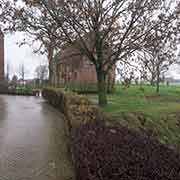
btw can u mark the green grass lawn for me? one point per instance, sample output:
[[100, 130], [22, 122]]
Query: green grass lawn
[[157, 114]]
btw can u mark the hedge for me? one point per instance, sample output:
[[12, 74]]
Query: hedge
[[118, 153], [18, 91], [77, 109], [111, 153]]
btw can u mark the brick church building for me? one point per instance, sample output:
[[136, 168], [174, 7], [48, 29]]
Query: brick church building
[[1, 56], [73, 68]]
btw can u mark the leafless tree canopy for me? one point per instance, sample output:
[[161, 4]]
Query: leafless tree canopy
[[36, 23], [124, 27], [41, 72]]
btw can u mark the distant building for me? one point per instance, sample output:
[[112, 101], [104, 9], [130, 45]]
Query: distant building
[[75, 68], [1, 56]]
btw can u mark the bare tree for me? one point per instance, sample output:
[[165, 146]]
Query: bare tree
[[41, 72], [153, 67], [22, 71], [93, 26], [161, 52], [127, 73], [37, 25], [121, 26]]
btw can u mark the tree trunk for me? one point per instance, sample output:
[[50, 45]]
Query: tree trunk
[[153, 79], [102, 89], [108, 84], [50, 60], [50, 74], [158, 80], [152, 82]]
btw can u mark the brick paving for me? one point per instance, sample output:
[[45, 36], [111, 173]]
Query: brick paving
[[33, 142]]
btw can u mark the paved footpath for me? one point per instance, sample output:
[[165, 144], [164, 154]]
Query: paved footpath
[[33, 143]]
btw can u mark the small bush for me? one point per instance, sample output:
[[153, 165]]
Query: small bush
[[23, 90]]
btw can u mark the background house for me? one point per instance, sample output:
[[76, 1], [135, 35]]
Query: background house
[[74, 68]]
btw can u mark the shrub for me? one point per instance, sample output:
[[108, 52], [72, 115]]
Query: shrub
[[23, 90], [77, 109], [106, 152], [82, 114], [117, 153], [54, 97], [6, 88]]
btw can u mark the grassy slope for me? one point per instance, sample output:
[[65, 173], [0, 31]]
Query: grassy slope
[[159, 115]]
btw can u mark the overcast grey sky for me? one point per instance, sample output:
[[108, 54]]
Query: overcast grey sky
[[16, 56]]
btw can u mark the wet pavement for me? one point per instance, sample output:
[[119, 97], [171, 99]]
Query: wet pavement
[[33, 143]]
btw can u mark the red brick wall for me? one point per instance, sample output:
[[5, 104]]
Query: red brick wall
[[1, 56], [80, 72], [85, 75], [75, 68]]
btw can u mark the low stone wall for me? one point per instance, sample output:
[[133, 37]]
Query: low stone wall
[[77, 109]]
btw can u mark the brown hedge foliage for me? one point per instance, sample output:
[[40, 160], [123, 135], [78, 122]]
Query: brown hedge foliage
[[102, 152], [77, 109], [82, 114], [117, 153]]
